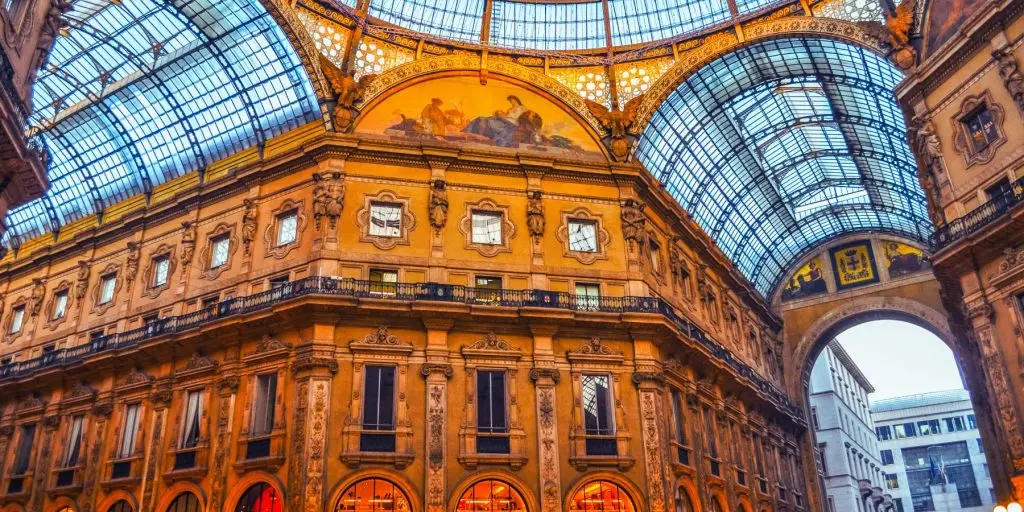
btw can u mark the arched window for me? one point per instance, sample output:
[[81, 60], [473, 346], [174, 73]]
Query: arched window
[[683, 503], [716, 505], [259, 497], [185, 502], [373, 495], [120, 506], [602, 495], [491, 496]]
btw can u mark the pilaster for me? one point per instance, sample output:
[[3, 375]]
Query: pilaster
[[161, 400], [545, 379], [313, 371]]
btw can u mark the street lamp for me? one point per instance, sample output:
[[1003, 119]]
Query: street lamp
[[1013, 506]]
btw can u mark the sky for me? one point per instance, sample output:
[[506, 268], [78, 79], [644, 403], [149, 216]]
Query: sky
[[900, 358]]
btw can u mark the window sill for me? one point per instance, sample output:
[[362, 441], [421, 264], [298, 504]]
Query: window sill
[[194, 474], [69, 490], [355, 459], [583, 462], [125, 484], [270, 464], [514, 460]]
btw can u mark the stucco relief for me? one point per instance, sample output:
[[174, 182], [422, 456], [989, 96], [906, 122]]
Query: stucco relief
[[436, 400], [999, 381], [547, 434], [317, 436], [652, 451], [298, 448]]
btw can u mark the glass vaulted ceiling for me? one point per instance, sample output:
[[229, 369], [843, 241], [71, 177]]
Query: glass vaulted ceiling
[[781, 146], [561, 25], [140, 92]]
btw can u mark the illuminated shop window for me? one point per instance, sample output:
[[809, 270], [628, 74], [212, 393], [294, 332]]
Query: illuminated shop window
[[602, 495], [185, 502], [373, 495], [259, 497], [491, 496]]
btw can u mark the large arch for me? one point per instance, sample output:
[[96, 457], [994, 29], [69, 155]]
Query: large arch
[[783, 141]]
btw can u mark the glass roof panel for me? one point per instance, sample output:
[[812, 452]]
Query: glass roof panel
[[562, 26], [643, 21], [784, 145], [460, 20], [139, 93]]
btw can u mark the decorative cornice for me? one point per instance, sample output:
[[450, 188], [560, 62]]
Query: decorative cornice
[[430, 368], [545, 373]]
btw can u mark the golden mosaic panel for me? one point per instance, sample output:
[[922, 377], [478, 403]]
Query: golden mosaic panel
[[634, 78], [376, 56], [589, 83], [328, 37], [849, 10]]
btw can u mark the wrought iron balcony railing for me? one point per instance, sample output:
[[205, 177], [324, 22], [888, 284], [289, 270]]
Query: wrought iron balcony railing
[[330, 286], [978, 218]]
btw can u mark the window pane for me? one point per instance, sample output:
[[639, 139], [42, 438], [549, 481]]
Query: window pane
[[74, 442], [219, 254], [597, 405], [107, 292], [17, 319], [487, 228], [582, 236], [129, 431], [28, 434], [491, 412], [193, 414], [385, 219], [287, 225], [378, 408], [60, 305], [263, 410]]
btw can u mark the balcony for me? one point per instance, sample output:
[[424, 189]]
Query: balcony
[[978, 218], [25, 160], [408, 292]]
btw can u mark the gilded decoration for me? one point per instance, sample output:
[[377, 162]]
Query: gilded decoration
[[635, 78], [210, 272], [508, 229], [406, 221], [271, 247], [588, 82], [375, 56], [150, 288], [899, 26], [620, 135], [902, 259], [347, 93], [978, 129], [111, 271], [49, 311], [458, 109], [583, 217], [430, 65]]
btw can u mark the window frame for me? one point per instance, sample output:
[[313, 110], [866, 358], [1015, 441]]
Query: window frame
[[385, 199], [273, 246], [602, 238], [507, 231], [491, 353], [595, 358], [222, 233], [962, 140]]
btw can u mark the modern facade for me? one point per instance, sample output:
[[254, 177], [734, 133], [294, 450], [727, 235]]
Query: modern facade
[[932, 453], [471, 255], [844, 431]]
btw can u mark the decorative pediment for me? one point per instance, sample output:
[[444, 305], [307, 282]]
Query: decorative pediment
[[31, 402], [595, 351], [136, 377], [380, 340], [198, 364], [268, 346], [490, 346], [81, 390]]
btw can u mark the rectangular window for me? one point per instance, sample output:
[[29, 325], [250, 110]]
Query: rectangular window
[[378, 410], [219, 250], [981, 446], [972, 423], [107, 285], [129, 431], [981, 127], [999, 190], [17, 318], [892, 481], [385, 220], [383, 282], [60, 304], [655, 256], [955, 424], [887, 457], [190, 424], [711, 442], [582, 235], [883, 433], [74, 446], [486, 228], [905, 430], [899, 504], [928, 427], [597, 414], [491, 413], [24, 454], [488, 288], [287, 227], [588, 296], [278, 282], [161, 270], [262, 421], [814, 418], [679, 422]]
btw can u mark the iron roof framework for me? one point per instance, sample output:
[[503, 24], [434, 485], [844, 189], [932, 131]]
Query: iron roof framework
[[141, 92], [560, 24], [781, 146]]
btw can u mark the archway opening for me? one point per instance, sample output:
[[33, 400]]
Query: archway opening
[[893, 422], [185, 502], [373, 495], [491, 496], [121, 506], [260, 497], [602, 495]]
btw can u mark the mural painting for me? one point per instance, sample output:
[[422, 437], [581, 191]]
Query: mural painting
[[460, 110], [854, 265], [945, 18], [806, 282], [902, 259]]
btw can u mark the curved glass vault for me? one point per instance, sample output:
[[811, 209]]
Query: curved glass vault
[[141, 92], [561, 25], [786, 144]]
